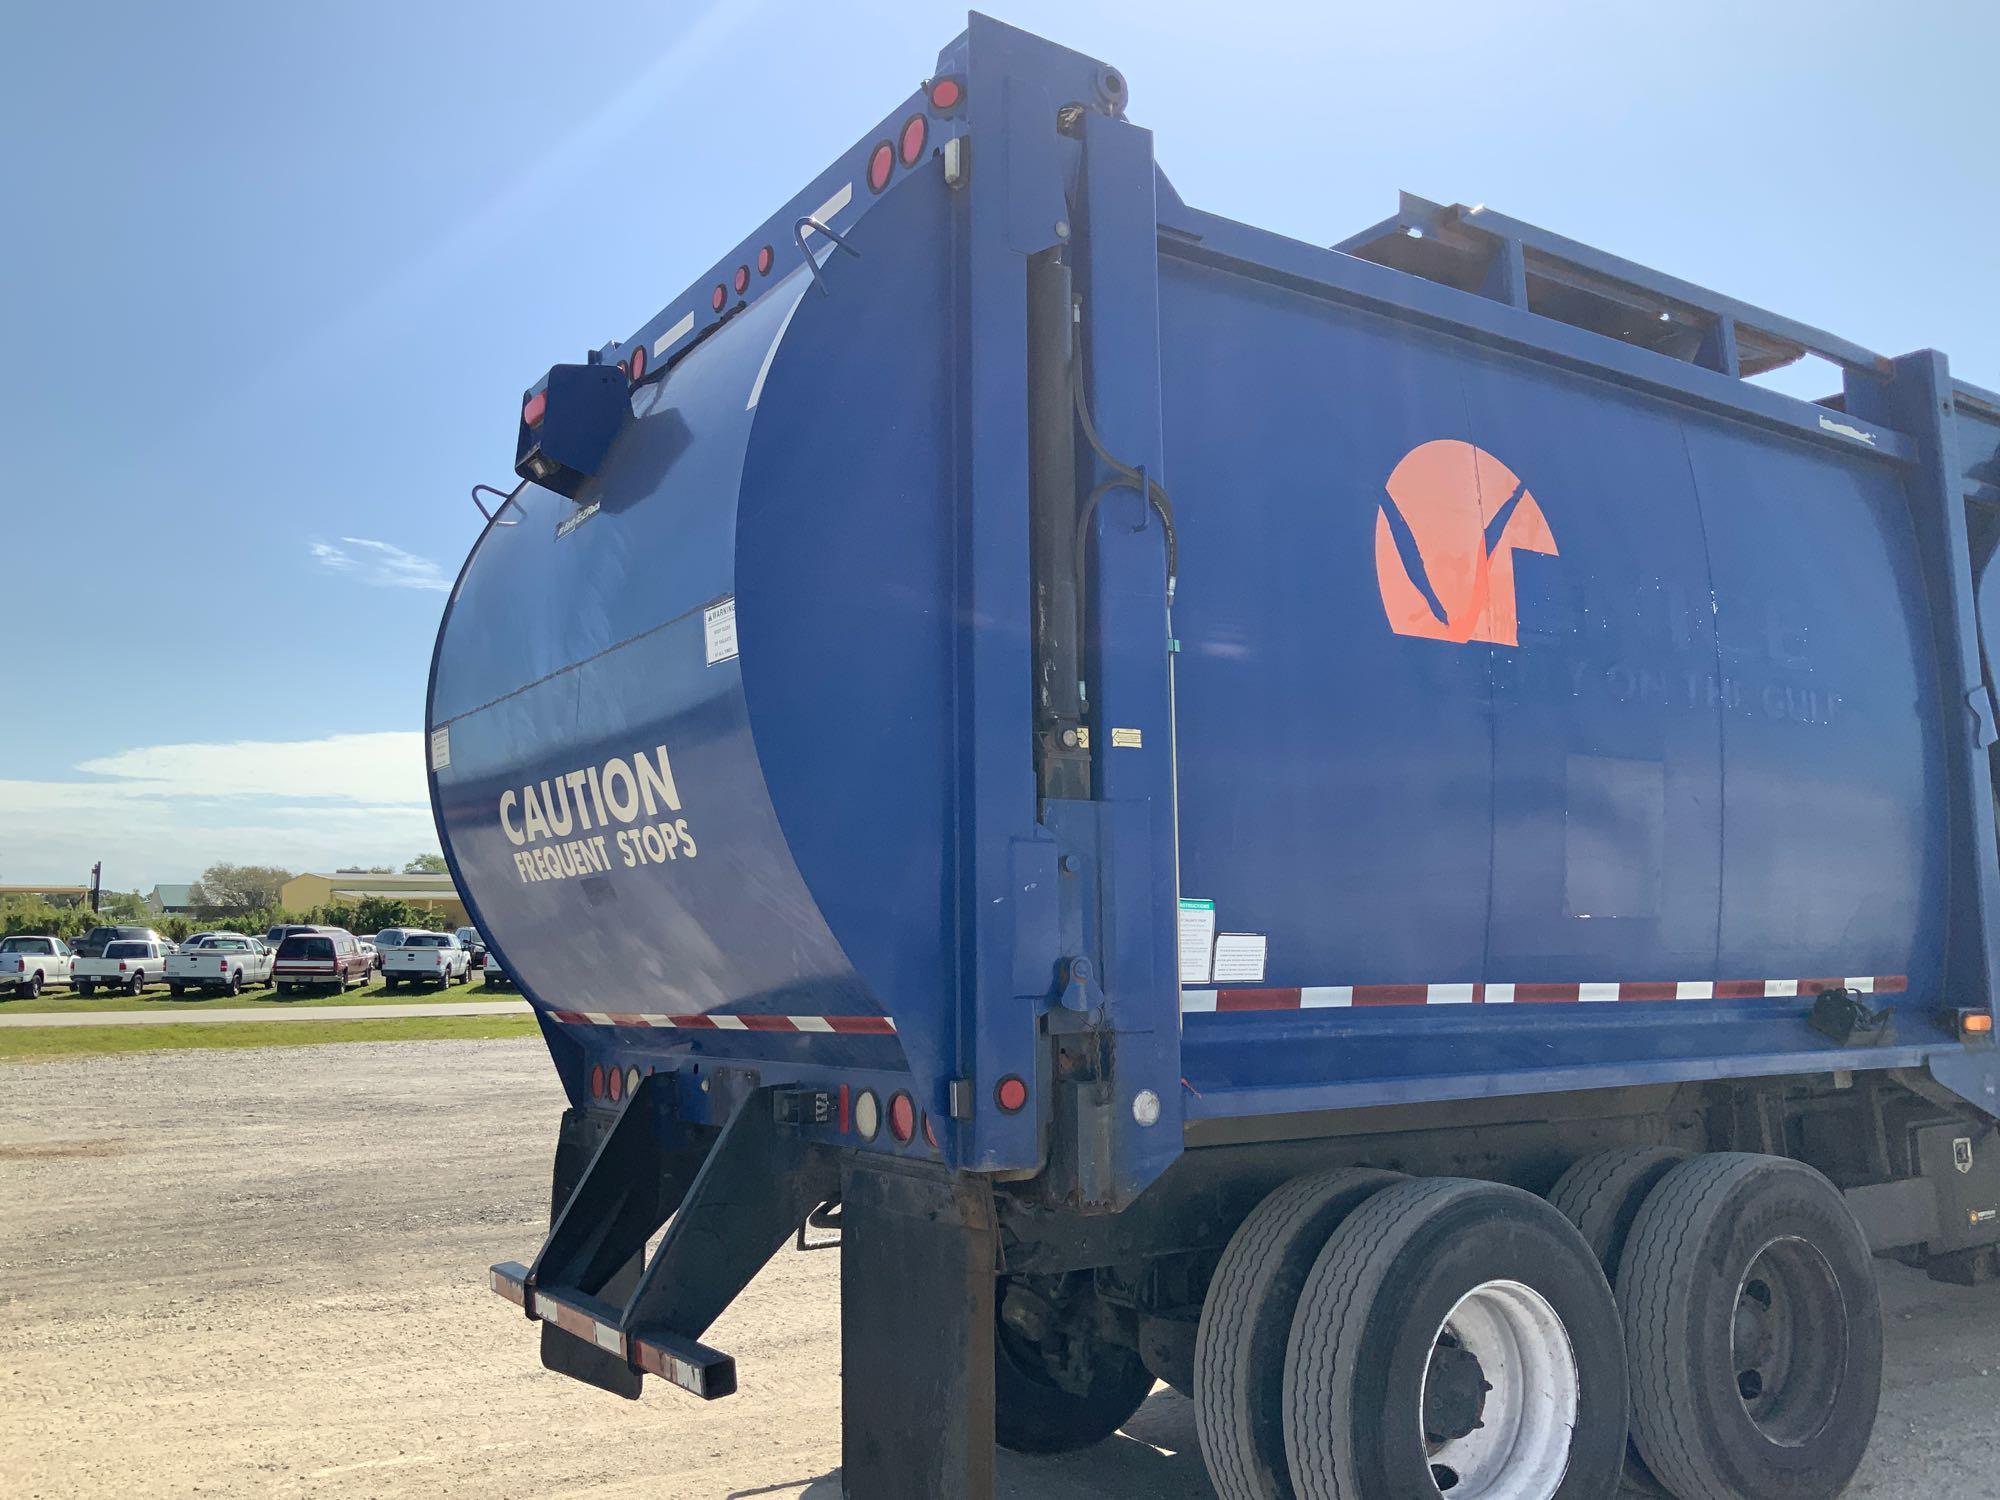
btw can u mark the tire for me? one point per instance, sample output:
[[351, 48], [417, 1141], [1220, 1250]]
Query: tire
[[33, 988], [1603, 1193], [1470, 1310], [1246, 1323], [389, 981], [1032, 1414], [236, 983], [176, 990], [135, 984], [1790, 1414], [86, 990]]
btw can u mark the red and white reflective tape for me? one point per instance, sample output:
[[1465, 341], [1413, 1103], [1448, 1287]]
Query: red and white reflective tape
[[1341, 996], [709, 1376], [821, 1025]]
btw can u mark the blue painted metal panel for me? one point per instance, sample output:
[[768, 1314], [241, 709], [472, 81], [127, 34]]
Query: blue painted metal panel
[[1127, 662], [1513, 654]]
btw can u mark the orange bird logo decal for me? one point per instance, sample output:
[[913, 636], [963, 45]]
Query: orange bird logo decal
[[1445, 541]]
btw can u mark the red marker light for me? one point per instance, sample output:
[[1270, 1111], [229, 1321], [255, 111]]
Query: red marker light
[[597, 1080], [1011, 1096], [765, 258], [639, 362], [536, 408], [719, 296], [947, 93], [742, 280], [881, 162], [902, 1118], [910, 144], [614, 1083]]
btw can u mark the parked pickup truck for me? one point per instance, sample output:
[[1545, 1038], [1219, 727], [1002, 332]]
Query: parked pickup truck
[[29, 963], [427, 958], [220, 962], [128, 964]]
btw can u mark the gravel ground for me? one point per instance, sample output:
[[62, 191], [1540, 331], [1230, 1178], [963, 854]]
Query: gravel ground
[[262, 1273]]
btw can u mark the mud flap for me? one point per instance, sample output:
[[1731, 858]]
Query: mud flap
[[919, 1257], [563, 1352]]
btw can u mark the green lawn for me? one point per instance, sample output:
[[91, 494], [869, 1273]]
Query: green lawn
[[57, 1002], [46, 1043]]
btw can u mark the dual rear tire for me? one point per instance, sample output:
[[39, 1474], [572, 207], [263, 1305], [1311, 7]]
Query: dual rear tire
[[1755, 1331], [1367, 1335]]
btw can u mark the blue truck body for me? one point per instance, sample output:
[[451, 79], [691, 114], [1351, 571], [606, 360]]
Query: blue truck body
[[1489, 690]]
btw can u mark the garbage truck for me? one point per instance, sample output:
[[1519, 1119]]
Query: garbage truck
[[1386, 834]]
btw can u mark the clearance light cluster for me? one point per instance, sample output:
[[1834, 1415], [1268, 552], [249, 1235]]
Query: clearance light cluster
[[866, 1116], [740, 278], [945, 95], [609, 1082]]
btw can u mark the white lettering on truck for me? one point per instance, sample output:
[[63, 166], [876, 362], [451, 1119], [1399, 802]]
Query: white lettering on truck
[[640, 793]]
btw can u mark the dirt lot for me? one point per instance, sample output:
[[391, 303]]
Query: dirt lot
[[261, 1273]]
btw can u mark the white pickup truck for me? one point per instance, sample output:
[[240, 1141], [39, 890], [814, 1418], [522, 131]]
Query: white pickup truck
[[29, 963], [427, 958], [128, 964], [220, 963]]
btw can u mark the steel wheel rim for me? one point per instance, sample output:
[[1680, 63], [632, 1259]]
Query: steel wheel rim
[[1518, 1448], [1787, 1302]]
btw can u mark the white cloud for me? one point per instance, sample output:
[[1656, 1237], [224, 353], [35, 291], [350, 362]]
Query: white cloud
[[381, 565], [164, 812]]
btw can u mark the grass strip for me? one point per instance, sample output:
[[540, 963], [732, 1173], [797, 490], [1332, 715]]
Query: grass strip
[[262, 999], [52, 1043]]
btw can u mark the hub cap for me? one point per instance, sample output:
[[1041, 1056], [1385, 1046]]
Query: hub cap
[[1500, 1396], [1788, 1341]]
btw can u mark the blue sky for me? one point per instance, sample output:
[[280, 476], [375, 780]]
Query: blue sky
[[275, 276]]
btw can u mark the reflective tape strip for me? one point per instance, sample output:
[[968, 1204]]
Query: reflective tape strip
[[718, 1021], [1323, 996], [843, 196], [1342, 996], [673, 335]]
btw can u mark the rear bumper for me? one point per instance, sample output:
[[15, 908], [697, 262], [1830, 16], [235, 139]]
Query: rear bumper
[[694, 1367]]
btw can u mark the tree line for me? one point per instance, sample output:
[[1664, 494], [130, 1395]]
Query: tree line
[[238, 898]]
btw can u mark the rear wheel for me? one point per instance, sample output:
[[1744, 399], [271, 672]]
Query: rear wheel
[[1457, 1338], [85, 990], [1246, 1322], [135, 984], [236, 983], [1755, 1331], [1602, 1195], [1058, 1385], [175, 989], [33, 988], [390, 981]]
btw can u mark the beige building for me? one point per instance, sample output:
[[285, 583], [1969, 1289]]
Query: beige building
[[435, 893]]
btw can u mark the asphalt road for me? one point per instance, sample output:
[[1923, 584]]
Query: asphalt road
[[261, 1273]]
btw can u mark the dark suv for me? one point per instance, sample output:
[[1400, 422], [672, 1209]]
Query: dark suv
[[91, 945], [320, 957]]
